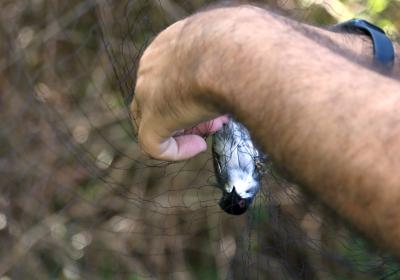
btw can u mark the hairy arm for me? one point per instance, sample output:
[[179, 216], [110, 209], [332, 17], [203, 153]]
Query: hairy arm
[[333, 124]]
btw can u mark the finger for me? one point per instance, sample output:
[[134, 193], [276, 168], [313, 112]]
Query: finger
[[183, 147], [166, 142], [173, 148], [209, 127]]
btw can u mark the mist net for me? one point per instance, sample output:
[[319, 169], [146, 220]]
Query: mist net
[[79, 200]]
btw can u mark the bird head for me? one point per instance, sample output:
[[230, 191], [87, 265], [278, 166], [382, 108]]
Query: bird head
[[233, 203]]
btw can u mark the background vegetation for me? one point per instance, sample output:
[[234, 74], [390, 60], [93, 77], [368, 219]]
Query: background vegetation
[[79, 201]]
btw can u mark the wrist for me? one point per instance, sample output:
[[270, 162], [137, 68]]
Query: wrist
[[360, 46]]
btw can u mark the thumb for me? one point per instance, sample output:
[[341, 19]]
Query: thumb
[[171, 148]]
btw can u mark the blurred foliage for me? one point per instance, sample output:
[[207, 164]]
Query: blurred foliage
[[79, 201]]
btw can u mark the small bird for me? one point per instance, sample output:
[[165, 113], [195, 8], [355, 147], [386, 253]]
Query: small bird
[[238, 166]]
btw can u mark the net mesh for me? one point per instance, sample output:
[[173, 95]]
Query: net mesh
[[80, 201]]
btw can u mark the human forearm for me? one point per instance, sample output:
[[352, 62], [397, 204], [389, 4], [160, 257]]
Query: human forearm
[[331, 123]]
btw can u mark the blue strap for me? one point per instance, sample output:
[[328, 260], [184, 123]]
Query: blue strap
[[383, 46]]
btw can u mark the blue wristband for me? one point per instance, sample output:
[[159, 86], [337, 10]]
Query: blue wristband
[[383, 46]]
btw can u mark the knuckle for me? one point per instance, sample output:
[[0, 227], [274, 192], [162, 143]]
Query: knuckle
[[146, 143], [140, 83]]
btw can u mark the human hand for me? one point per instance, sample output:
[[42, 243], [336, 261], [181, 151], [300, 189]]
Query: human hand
[[171, 108], [187, 77]]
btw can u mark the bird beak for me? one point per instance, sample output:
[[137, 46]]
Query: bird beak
[[233, 204]]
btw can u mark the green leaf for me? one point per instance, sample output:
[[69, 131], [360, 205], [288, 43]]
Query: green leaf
[[377, 6]]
